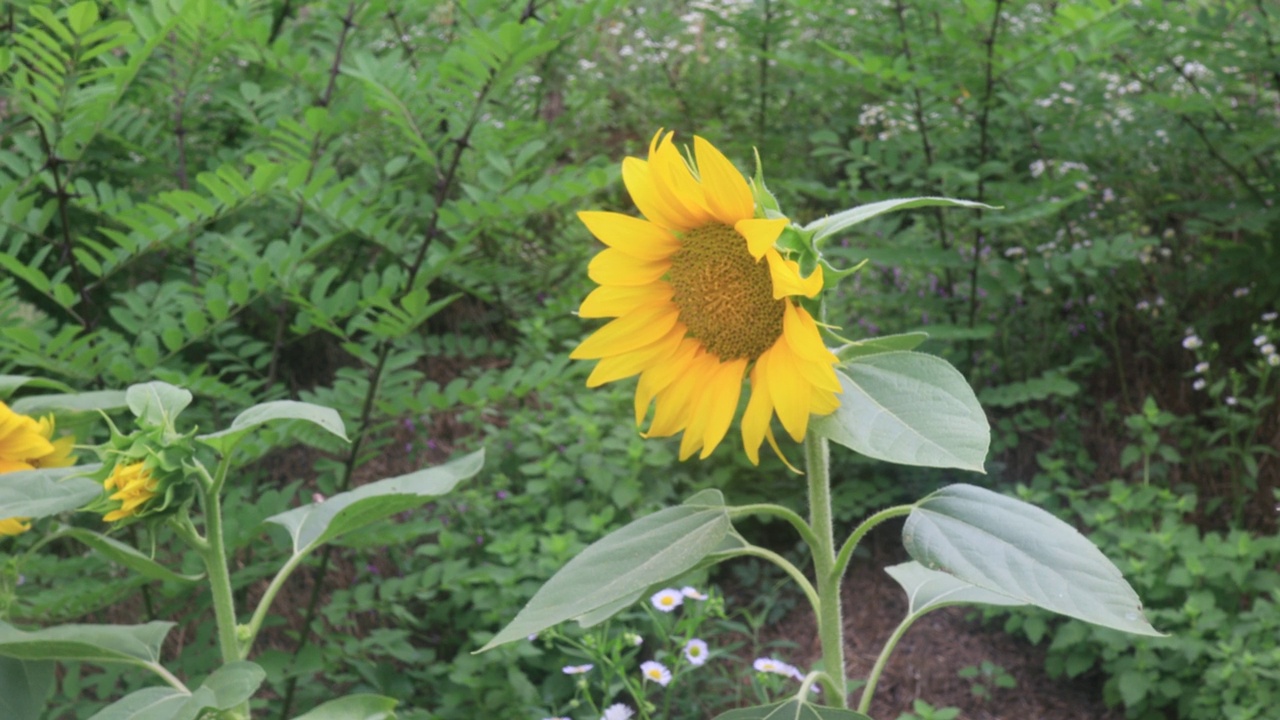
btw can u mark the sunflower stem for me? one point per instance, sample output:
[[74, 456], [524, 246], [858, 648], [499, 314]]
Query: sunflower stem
[[817, 460]]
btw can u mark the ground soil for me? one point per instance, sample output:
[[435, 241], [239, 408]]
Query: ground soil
[[926, 661]]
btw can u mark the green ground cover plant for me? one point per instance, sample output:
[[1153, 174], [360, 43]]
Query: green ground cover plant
[[368, 206]]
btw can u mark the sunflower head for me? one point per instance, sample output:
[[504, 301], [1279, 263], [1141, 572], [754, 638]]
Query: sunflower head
[[144, 474], [701, 299], [27, 444]]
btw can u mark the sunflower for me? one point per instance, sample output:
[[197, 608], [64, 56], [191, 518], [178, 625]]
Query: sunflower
[[28, 444], [702, 300], [134, 486]]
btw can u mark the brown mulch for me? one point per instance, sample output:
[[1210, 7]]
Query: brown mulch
[[926, 661]]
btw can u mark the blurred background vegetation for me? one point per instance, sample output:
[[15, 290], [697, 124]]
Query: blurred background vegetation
[[370, 205]]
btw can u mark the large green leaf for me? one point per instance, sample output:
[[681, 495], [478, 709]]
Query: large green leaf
[[232, 684], [311, 525], [353, 707], [153, 703], [96, 643], [616, 568], [226, 688], [24, 688], [793, 709], [103, 400], [157, 403], [9, 383], [1010, 547], [39, 493], [930, 589], [126, 555], [908, 408], [327, 418], [832, 224]]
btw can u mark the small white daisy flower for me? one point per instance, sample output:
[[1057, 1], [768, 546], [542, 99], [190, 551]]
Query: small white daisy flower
[[655, 671], [695, 651], [1260, 341], [618, 711], [777, 667], [1202, 367], [1273, 360], [1191, 342], [1268, 349], [1198, 384], [1269, 316], [692, 593], [1230, 400], [667, 599], [577, 669], [1240, 292]]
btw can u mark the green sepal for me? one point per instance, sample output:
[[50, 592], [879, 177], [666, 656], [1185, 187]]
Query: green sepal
[[766, 203]]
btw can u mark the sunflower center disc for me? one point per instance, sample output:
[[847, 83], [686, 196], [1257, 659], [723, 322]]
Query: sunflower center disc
[[725, 296]]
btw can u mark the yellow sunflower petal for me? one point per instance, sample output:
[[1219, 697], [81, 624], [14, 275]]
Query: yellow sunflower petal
[[676, 401], [755, 420], [728, 196], [676, 184], [14, 526], [633, 363], [642, 185], [614, 267], [657, 377], [8, 466], [638, 238], [722, 404], [761, 233], [788, 390], [616, 301], [627, 333], [786, 277], [803, 336]]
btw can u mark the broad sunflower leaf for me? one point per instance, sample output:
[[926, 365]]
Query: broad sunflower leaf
[[908, 408], [24, 688], [793, 709], [103, 400], [832, 224], [153, 703], [157, 403], [614, 571], [134, 644], [1017, 550], [930, 589], [353, 707], [39, 493], [317, 523], [126, 555], [231, 685], [326, 418]]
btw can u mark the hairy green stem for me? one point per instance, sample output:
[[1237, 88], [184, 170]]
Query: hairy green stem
[[215, 561], [817, 461], [268, 596], [787, 567], [869, 690], [806, 533], [846, 551]]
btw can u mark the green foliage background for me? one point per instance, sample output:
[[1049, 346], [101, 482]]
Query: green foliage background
[[369, 205]]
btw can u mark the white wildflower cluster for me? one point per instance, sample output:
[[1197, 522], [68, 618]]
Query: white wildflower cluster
[[890, 119], [1192, 341]]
